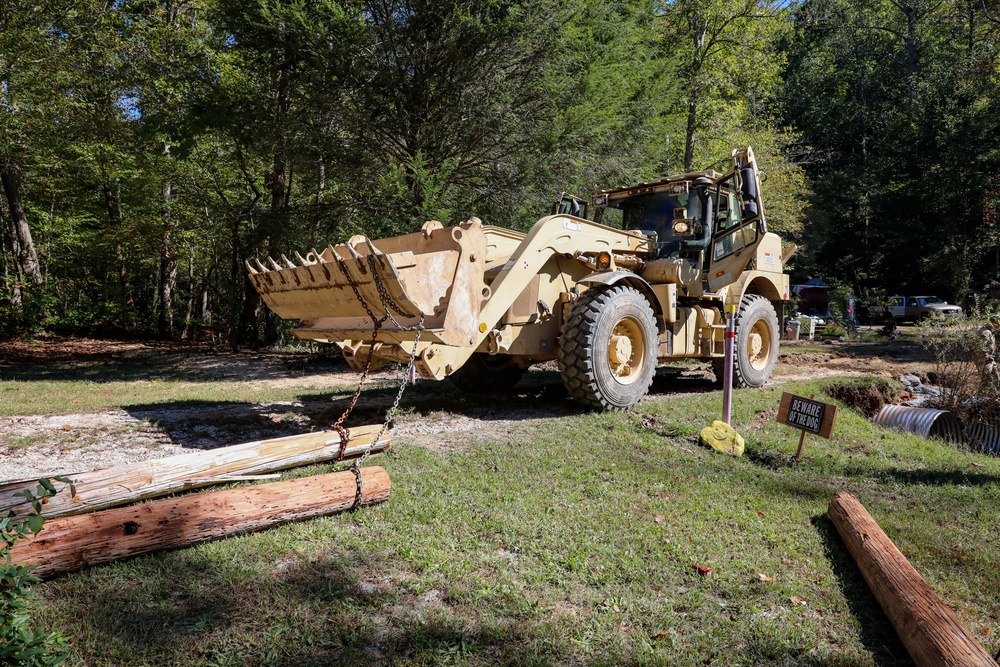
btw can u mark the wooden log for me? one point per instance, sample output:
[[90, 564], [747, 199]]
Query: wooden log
[[76, 542], [128, 483], [929, 629]]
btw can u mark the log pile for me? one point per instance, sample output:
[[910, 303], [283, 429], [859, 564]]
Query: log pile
[[85, 526], [120, 485], [74, 542], [929, 629]]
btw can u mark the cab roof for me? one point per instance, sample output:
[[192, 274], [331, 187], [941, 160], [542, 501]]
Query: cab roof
[[663, 180]]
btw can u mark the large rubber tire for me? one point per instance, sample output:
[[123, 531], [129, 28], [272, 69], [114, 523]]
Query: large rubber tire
[[487, 374], [608, 348], [756, 344]]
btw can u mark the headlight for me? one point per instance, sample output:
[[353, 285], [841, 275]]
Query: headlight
[[681, 227]]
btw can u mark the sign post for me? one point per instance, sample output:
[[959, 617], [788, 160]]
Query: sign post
[[727, 381], [807, 415]]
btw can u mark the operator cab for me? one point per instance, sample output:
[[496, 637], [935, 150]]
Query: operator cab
[[713, 221], [680, 213]]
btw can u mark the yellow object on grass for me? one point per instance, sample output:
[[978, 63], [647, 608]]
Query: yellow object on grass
[[722, 437]]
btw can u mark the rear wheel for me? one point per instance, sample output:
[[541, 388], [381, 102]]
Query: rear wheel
[[607, 352], [487, 373]]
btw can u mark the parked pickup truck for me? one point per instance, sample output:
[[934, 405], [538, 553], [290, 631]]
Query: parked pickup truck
[[914, 308]]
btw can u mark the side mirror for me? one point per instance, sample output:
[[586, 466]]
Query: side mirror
[[748, 192]]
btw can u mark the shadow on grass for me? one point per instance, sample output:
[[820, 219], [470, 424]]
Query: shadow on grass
[[924, 477], [184, 366], [540, 395], [774, 459], [194, 609], [876, 631], [212, 424]]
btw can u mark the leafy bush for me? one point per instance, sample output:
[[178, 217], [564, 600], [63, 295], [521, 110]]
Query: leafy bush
[[832, 329], [20, 645], [967, 365]]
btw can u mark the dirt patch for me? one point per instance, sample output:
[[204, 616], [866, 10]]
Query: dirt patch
[[433, 415], [866, 395]]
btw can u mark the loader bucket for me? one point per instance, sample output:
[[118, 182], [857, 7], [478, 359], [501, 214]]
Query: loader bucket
[[436, 272]]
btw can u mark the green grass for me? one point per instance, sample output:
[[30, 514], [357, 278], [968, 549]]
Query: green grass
[[566, 539]]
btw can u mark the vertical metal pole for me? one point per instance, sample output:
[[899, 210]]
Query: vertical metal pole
[[727, 380]]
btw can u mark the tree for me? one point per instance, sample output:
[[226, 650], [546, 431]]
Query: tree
[[902, 114]]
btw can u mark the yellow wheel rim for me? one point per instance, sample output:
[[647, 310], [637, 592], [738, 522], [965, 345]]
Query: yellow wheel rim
[[759, 345], [627, 350]]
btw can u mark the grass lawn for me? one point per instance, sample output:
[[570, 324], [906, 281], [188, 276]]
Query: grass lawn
[[565, 538]]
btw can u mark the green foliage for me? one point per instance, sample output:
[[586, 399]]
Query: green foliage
[[159, 146], [839, 295], [20, 644], [899, 101], [967, 364], [832, 329]]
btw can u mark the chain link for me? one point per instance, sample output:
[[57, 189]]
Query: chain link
[[356, 466], [388, 303], [338, 426], [383, 294]]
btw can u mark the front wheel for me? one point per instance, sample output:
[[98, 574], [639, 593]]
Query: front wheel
[[756, 345], [607, 352], [756, 351]]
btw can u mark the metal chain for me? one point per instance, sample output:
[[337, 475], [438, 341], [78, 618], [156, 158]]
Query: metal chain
[[356, 466], [383, 294], [338, 426], [387, 303]]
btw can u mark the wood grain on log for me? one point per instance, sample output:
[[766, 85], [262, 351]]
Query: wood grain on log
[[76, 542], [128, 483], [928, 628]]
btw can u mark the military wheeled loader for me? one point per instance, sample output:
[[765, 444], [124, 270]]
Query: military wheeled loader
[[608, 304]]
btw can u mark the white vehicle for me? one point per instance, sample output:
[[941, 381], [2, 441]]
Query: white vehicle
[[916, 308]]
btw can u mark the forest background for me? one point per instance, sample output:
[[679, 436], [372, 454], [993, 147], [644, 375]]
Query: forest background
[[147, 149]]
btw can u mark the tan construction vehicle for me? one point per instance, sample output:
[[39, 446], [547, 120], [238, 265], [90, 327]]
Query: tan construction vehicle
[[607, 304]]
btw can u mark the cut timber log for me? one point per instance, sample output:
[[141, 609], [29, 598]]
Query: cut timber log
[[76, 542], [128, 483], [929, 629]]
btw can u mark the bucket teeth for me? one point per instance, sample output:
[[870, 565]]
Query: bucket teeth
[[376, 253], [274, 264], [250, 269], [289, 263], [303, 260], [263, 269]]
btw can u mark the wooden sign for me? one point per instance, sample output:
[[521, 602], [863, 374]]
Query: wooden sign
[[808, 415]]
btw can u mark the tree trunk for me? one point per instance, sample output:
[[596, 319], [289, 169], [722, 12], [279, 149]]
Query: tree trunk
[[698, 24], [112, 202], [909, 10], [26, 255], [247, 329], [14, 280], [692, 126], [76, 542], [130, 482], [168, 268], [321, 183], [930, 630], [192, 295]]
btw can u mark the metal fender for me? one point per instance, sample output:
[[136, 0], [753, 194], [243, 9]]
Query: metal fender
[[633, 280]]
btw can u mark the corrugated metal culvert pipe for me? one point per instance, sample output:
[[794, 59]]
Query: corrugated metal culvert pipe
[[985, 437], [925, 422]]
